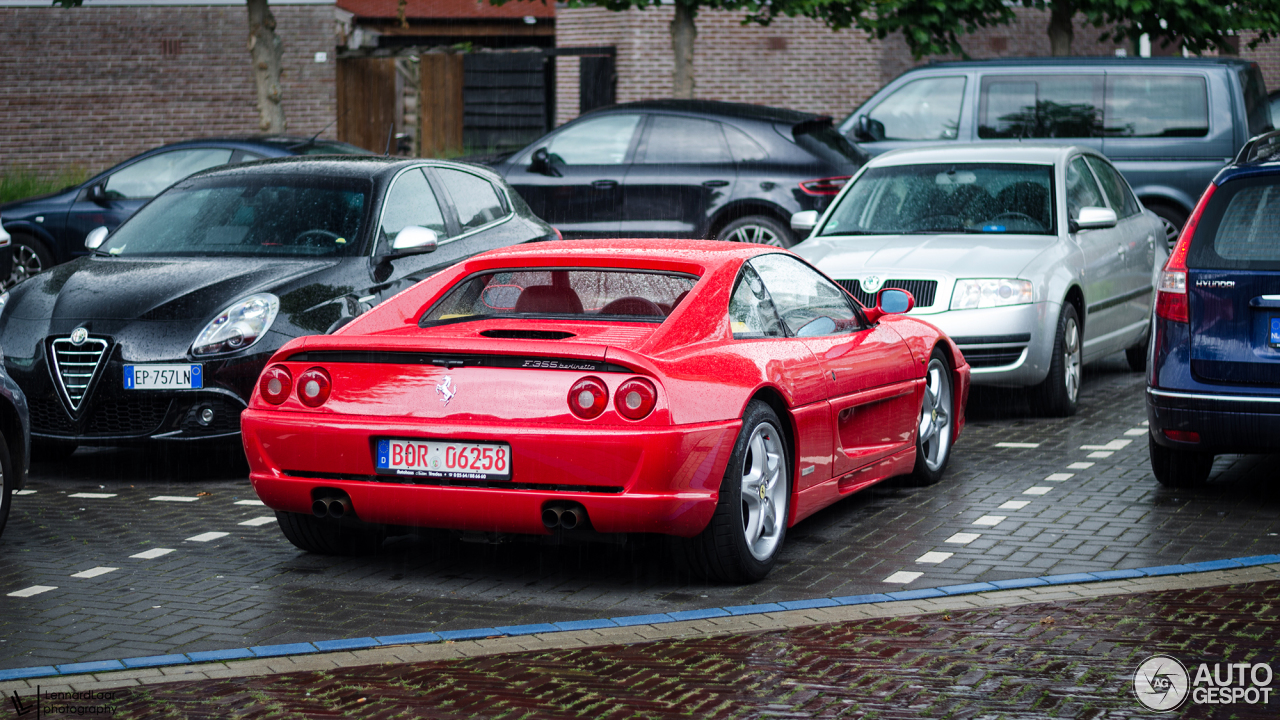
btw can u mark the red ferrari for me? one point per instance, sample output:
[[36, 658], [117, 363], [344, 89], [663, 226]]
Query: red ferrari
[[714, 392]]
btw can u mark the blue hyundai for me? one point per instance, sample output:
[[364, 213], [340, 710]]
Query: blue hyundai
[[1214, 359]]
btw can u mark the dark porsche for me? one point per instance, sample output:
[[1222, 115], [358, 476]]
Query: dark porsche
[[161, 333]]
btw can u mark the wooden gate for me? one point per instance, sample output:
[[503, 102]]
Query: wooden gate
[[367, 101]]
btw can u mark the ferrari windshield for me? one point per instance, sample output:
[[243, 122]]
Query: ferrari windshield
[[248, 216], [595, 294], [947, 198]]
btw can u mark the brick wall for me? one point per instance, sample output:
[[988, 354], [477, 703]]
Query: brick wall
[[1267, 56], [88, 87]]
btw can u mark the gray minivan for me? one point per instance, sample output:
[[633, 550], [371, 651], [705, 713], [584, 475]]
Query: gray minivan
[[1168, 124]]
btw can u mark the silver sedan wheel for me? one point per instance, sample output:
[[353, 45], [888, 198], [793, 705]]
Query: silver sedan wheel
[[764, 492], [25, 264], [935, 416], [1071, 354], [758, 234]]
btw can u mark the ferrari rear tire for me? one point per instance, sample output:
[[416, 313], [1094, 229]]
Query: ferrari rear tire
[[1179, 468], [745, 535], [1059, 394], [934, 432], [325, 536]]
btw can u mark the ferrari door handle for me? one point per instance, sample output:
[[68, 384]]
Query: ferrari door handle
[[715, 183], [604, 184]]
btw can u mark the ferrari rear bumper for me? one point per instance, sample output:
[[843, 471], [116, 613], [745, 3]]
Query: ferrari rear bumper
[[628, 479]]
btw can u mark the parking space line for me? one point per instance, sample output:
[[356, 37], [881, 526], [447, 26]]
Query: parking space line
[[1015, 505], [990, 520], [251, 502], [903, 577], [1038, 490], [33, 590], [934, 556], [25, 492], [152, 554], [174, 498], [258, 521], [94, 572], [1113, 445], [1059, 477], [206, 537], [94, 496], [1080, 466], [1136, 432], [1017, 445], [1101, 454], [963, 538]]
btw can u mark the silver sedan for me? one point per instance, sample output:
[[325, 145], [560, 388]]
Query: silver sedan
[[1035, 259]]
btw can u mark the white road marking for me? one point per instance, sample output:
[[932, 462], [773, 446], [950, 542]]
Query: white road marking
[[903, 577], [1101, 454], [25, 492], [259, 521], [1017, 445], [990, 520], [250, 502], [33, 590], [152, 554], [1059, 477], [94, 496], [206, 537], [174, 498], [94, 572], [1015, 505], [963, 538], [1136, 432], [1146, 422], [933, 557], [1039, 490], [1080, 465], [1113, 445]]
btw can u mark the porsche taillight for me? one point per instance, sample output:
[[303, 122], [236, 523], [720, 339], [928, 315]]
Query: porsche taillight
[[824, 186], [588, 397], [635, 398], [313, 387], [275, 384], [1171, 295]]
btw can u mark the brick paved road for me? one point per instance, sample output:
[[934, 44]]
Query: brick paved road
[[1035, 510]]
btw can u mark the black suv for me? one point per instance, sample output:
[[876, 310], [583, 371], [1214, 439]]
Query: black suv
[[684, 169]]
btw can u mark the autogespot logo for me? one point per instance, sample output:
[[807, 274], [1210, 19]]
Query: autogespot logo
[[1161, 683]]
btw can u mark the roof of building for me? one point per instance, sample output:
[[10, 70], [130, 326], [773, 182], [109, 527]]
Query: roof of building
[[449, 9]]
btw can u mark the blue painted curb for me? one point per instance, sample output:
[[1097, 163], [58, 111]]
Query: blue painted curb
[[307, 648]]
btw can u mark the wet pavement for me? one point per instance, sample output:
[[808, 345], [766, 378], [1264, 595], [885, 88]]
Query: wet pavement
[[1024, 497]]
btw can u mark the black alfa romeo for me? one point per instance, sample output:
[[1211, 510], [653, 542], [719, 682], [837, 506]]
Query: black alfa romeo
[[160, 333]]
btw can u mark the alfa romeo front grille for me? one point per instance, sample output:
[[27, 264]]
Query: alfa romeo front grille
[[75, 366], [922, 290]]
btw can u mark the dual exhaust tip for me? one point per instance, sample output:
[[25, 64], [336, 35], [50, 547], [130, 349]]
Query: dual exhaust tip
[[568, 516], [331, 507]]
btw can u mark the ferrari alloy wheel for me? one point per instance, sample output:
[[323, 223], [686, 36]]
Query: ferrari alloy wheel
[[757, 229], [1059, 394], [1179, 468], [326, 536], [934, 431], [742, 541], [7, 479]]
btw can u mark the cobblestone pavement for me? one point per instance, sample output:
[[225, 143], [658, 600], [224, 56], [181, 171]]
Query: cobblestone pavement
[[1045, 660], [1081, 499]]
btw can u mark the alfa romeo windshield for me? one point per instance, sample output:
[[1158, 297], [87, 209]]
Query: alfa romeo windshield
[[947, 198], [248, 216]]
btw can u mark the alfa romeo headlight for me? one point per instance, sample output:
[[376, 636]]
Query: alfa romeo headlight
[[237, 327], [985, 293]]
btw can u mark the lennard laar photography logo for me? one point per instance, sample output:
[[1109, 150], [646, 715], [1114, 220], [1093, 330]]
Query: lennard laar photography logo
[[40, 705], [1162, 683]]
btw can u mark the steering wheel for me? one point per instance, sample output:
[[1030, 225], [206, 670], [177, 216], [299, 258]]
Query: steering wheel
[[1013, 215], [302, 237]]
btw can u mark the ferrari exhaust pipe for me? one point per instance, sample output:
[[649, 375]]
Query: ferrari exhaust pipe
[[572, 517], [551, 516], [338, 507], [320, 508]]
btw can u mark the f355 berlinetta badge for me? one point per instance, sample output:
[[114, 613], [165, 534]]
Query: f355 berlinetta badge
[[446, 389]]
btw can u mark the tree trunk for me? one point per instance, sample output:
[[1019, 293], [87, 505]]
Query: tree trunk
[[683, 32], [1060, 28], [267, 52]]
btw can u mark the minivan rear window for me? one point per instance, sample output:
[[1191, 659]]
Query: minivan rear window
[[1240, 228]]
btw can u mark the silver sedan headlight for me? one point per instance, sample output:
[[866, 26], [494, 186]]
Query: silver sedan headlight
[[239, 326], [985, 293]]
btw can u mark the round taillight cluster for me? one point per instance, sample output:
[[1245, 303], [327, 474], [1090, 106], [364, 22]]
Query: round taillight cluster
[[635, 398], [588, 397], [314, 387], [275, 384]]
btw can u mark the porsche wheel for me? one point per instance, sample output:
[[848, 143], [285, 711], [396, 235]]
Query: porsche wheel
[[758, 229], [744, 537], [1179, 468], [1059, 394], [934, 431], [330, 537]]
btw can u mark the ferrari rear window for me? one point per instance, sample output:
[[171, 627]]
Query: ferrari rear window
[[579, 293]]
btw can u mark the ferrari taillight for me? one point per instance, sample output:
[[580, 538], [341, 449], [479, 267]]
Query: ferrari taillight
[[314, 387], [635, 398], [275, 384], [588, 397]]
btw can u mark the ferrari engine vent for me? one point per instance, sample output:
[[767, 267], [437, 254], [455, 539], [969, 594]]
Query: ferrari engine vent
[[75, 366], [526, 334]]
